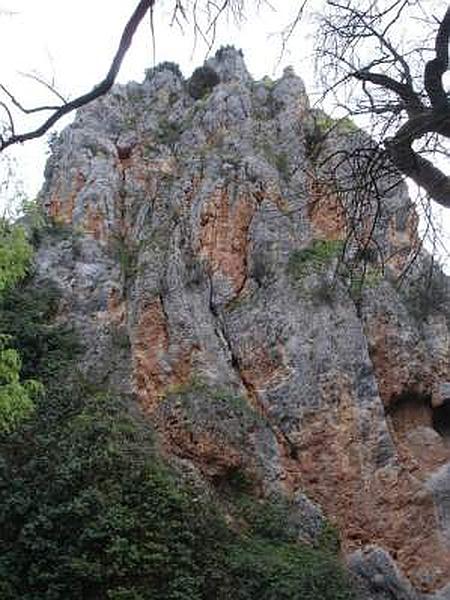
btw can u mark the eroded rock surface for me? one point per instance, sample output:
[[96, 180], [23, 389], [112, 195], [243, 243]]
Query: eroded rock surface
[[180, 227]]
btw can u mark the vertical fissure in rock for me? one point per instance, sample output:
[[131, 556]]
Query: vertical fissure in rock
[[252, 395], [164, 311]]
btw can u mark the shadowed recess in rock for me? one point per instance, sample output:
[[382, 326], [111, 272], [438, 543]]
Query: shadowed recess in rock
[[410, 410], [441, 420]]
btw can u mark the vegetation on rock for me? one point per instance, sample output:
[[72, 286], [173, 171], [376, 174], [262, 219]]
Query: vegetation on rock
[[202, 82], [313, 258], [164, 66], [89, 510]]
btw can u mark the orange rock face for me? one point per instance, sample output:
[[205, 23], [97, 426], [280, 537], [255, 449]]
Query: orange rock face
[[404, 244], [62, 200], [325, 211], [223, 234], [155, 368], [389, 507], [396, 369], [214, 457], [261, 368], [151, 342], [95, 223]]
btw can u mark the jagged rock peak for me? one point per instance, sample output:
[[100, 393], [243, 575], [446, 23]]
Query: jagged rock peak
[[229, 64]]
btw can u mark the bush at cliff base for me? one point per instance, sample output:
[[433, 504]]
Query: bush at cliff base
[[89, 511], [16, 394]]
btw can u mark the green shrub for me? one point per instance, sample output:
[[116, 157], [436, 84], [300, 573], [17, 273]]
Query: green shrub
[[35, 221], [169, 66], [268, 519], [126, 253], [325, 124], [26, 315], [16, 394], [328, 540], [313, 258], [268, 83], [261, 570], [279, 160], [202, 81], [282, 164], [213, 407], [15, 255], [88, 510], [366, 278], [168, 133]]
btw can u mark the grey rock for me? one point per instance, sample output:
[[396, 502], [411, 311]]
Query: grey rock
[[189, 257], [377, 577], [229, 64], [439, 484], [310, 518], [441, 394]]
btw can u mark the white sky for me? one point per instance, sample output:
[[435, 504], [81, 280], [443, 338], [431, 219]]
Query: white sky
[[73, 43]]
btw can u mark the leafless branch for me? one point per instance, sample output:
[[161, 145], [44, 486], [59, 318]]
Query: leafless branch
[[357, 41], [49, 86], [104, 86], [26, 111]]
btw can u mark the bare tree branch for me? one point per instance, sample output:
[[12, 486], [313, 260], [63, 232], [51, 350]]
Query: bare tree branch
[[411, 100], [46, 84], [26, 111], [99, 90], [421, 171], [354, 35], [435, 69]]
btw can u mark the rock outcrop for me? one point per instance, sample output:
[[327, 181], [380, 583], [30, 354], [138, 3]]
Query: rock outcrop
[[203, 254]]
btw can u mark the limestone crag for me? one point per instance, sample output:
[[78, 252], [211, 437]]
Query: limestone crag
[[211, 265]]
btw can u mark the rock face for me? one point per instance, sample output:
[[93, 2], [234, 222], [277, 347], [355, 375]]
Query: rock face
[[222, 281]]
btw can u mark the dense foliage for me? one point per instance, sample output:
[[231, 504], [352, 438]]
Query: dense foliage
[[202, 81], [89, 511], [15, 255], [16, 395]]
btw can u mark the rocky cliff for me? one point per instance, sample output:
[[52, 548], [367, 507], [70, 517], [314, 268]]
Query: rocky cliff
[[252, 312]]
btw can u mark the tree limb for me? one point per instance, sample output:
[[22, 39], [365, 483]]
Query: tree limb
[[415, 166], [434, 69], [412, 102], [99, 90], [46, 84], [421, 171], [22, 108]]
